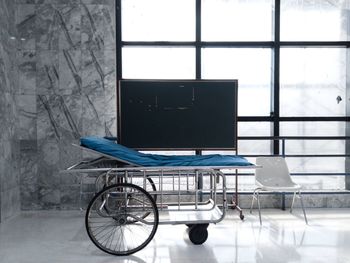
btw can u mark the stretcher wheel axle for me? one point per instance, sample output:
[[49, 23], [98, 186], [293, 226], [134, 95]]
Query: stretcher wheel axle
[[198, 233]]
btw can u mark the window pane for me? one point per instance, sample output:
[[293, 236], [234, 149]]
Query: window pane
[[316, 164], [313, 81], [158, 20], [252, 68], [256, 146], [158, 63], [236, 20], [314, 129], [311, 20]]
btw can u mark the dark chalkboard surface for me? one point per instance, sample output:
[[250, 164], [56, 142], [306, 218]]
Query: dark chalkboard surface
[[178, 114]]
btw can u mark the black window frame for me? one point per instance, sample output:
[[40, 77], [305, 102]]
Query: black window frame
[[275, 45]]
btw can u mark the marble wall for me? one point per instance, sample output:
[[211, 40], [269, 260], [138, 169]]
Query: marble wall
[[9, 146], [66, 89]]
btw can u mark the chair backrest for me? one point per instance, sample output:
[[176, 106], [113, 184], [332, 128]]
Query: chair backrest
[[274, 172]]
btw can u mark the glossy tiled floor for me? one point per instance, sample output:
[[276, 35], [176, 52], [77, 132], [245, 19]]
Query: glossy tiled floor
[[59, 236]]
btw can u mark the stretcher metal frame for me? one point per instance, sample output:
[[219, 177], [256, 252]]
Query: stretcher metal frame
[[128, 196]]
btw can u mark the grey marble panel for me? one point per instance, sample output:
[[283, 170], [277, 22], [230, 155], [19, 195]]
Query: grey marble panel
[[70, 72], [9, 115], [27, 115], [11, 171], [70, 198], [48, 174], [29, 179], [93, 71], [65, 2], [10, 203], [93, 114], [26, 61], [8, 69], [110, 125], [47, 125], [95, 2], [110, 24], [32, 1], [98, 73], [47, 74], [69, 155], [110, 82], [4, 81], [47, 27], [97, 27], [69, 20], [59, 117], [9, 150], [69, 117], [26, 26]]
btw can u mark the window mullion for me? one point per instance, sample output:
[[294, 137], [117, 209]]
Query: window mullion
[[198, 40]]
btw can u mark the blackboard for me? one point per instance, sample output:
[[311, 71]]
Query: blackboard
[[178, 114]]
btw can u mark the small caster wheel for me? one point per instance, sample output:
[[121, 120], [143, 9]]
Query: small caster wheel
[[241, 216], [198, 234]]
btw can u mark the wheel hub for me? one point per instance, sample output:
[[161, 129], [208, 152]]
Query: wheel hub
[[121, 220]]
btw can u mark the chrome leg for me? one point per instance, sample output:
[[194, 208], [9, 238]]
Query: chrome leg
[[253, 199], [302, 206], [258, 199], [291, 207]]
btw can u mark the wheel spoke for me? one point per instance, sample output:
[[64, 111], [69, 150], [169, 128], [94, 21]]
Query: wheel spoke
[[120, 227]]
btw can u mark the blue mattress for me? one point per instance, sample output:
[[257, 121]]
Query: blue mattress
[[121, 152]]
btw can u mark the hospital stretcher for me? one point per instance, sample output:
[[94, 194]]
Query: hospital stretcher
[[136, 192]]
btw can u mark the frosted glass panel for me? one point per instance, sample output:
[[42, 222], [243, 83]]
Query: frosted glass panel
[[254, 146], [311, 20], [313, 82], [252, 68], [313, 129], [158, 20], [236, 20], [318, 165], [158, 63]]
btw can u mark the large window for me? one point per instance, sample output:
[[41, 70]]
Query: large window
[[289, 56]]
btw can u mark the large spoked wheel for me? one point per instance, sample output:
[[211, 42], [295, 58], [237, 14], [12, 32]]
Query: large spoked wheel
[[115, 219]]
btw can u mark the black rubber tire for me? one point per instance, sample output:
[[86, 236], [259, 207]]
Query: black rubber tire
[[154, 188], [92, 214], [198, 233], [241, 216]]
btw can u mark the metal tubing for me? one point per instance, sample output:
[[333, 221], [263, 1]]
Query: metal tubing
[[291, 207], [258, 199], [302, 206]]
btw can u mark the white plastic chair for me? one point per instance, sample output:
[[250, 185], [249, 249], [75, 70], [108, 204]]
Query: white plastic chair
[[274, 176]]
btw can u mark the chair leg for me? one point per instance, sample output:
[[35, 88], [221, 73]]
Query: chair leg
[[253, 199], [291, 207], [258, 199], [302, 206]]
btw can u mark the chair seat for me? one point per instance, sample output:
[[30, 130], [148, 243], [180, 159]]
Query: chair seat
[[294, 187]]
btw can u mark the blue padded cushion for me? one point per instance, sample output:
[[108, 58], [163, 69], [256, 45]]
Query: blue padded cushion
[[121, 152]]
